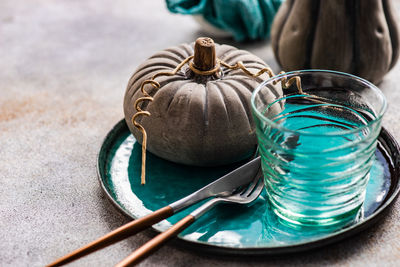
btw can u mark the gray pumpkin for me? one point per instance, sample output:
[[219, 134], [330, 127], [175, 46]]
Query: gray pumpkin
[[354, 36], [195, 119]]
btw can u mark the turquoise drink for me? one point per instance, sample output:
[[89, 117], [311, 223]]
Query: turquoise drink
[[317, 147]]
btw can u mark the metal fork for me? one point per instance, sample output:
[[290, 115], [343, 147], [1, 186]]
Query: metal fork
[[244, 195]]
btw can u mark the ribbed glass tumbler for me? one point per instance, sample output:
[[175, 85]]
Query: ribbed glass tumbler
[[317, 145]]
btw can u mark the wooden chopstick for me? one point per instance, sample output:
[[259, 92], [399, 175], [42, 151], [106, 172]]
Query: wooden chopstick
[[117, 235], [155, 243]]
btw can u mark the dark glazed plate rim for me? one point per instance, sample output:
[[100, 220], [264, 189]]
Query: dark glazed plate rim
[[388, 146]]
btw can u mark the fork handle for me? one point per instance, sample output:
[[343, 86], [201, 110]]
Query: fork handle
[[155, 243], [118, 234]]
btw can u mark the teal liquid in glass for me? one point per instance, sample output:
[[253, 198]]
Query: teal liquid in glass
[[316, 162]]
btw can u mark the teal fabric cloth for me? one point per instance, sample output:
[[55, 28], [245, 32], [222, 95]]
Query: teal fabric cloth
[[245, 19]]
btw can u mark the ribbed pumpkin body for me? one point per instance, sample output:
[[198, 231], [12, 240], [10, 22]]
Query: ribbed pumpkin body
[[197, 120], [354, 36]]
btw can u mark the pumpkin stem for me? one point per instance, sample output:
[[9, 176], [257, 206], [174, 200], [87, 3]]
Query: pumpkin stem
[[204, 54]]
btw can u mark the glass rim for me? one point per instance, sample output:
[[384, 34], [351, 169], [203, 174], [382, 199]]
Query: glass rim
[[370, 85]]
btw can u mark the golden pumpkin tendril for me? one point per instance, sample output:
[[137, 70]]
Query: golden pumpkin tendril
[[141, 112], [205, 72], [147, 97], [284, 81], [287, 83]]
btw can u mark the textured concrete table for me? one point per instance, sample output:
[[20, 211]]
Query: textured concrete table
[[64, 67]]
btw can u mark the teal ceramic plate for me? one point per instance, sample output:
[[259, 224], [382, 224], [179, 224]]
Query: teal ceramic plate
[[228, 229]]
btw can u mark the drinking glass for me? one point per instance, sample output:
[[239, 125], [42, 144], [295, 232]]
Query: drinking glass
[[317, 145]]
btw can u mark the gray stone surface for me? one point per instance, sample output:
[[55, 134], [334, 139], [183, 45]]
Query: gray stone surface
[[64, 66]]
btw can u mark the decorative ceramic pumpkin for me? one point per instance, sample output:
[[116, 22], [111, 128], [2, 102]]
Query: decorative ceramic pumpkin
[[197, 118], [354, 36]]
